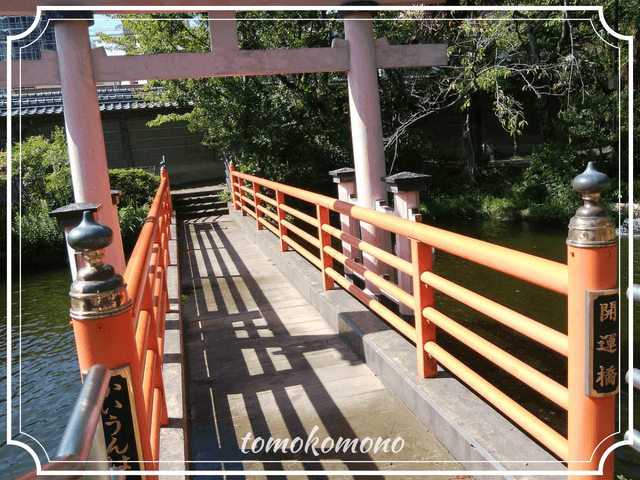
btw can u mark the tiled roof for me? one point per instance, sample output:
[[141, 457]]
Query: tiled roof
[[50, 103]]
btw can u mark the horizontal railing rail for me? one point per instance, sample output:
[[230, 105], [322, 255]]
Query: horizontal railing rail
[[81, 432], [536, 270], [250, 192]]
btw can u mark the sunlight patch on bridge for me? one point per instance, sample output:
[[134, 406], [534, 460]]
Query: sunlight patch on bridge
[[279, 360], [254, 366]]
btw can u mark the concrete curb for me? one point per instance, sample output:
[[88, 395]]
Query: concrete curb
[[173, 444], [480, 438]]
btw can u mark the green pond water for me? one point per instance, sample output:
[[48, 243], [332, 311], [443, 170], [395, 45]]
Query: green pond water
[[46, 379]]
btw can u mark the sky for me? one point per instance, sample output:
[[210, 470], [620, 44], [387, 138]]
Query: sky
[[106, 25]]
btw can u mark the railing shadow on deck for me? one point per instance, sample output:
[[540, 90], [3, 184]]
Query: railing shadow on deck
[[241, 310]]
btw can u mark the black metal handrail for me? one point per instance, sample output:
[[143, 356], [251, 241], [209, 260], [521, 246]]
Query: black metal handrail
[[74, 448], [633, 376]]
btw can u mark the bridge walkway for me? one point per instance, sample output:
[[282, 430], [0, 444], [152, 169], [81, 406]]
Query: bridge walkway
[[261, 361]]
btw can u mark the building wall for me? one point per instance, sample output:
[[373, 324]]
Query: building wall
[[187, 160], [130, 143]]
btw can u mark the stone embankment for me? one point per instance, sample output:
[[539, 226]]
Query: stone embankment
[[623, 230]]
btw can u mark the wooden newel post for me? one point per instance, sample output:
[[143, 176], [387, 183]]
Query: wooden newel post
[[235, 192], [325, 241], [593, 330], [101, 313], [422, 261]]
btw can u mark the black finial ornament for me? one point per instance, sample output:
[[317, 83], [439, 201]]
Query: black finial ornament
[[97, 292], [90, 235], [591, 181], [591, 227]]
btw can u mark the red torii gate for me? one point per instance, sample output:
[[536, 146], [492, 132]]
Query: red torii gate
[[77, 69]]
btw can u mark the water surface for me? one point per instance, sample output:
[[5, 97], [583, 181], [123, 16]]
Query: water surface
[[45, 373]]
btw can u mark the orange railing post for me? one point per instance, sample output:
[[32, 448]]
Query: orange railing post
[[119, 322], [281, 216], [243, 201], [164, 174], [256, 200], [422, 261], [593, 330], [325, 241], [101, 313], [235, 193]]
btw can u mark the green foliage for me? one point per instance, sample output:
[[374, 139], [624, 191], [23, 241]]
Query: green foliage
[[540, 191], [59, 188], [550, 175], [38, 159], [290, 128], [294, 128], [132, 218], [36, 238], [589, 125], [225, 195], [46, 185], [138, 187]]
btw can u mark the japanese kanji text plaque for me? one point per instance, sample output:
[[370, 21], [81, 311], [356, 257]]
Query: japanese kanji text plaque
[[603, 342]]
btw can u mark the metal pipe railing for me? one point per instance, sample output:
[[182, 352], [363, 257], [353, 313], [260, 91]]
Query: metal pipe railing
[[536, 427], [633, 292], [80, 432], [590, 268], [526, 374], [632, 434], [539, 271], [542, 334], [300, 215], [84, 419], [633, 376]]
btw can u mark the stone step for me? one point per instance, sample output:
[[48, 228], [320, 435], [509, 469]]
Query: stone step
[[199, 202]]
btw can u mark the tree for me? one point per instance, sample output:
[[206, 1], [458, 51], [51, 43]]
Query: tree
[[505, 55], [295, 128], [290, 128]]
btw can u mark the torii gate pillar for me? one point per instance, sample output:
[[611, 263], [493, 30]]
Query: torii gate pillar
[[83, 126], [366, 127]]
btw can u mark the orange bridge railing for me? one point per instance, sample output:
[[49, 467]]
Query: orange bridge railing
[[590, 417], [119, 322]]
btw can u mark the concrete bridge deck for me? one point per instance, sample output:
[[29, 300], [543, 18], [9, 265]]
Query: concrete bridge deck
[[261, 361]]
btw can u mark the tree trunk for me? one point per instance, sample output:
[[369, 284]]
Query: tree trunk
[[473, 138], [545, 119]]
